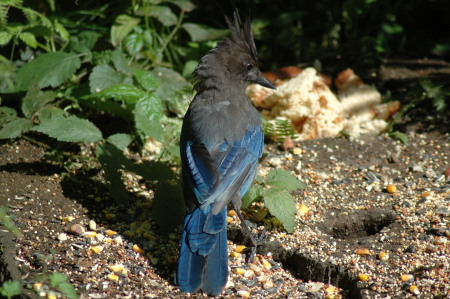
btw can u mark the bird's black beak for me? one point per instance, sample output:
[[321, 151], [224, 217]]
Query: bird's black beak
[[261, 80]]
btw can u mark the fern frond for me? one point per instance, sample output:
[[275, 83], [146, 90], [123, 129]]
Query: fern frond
[[4, 8], [279, 129], [36, 18]]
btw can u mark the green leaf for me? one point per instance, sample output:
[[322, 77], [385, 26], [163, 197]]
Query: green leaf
[[163, 14], [121, 141], [106, 105], [173, 89], [15, 128], [168, 206], [50, 69], [7, 115], [199, 33], [281, 204], [112, 160], [147, 113], [29, 39], [133, 43], [185, 5], [284, 179], [255, 192], [104, 76], [5, 37], [61, 30], [84, 42], [403, 138], [59, 281], [35, 99], [121, 63], [8, 223], [70, 129], [121, 28], [11, 288], [147, 80], [49, 112], [121, 92], [56, 278]]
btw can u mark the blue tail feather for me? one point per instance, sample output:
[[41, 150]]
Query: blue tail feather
[[203, 260]]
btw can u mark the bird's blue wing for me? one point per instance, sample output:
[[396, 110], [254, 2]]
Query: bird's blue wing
[[216, 173]]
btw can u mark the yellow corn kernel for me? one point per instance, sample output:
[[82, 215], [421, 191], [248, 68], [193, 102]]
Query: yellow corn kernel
[[406, 277], [128, 233], [97, 249], [244, 293], [240, 271], [149, 236], [90, 234], [137, 249], [116, 268], [232, 213], [391, 188], [110, 216], [239, 248], [266, 264], [363, 277], [302, 210], [140, 230], [113, 277], [110, 232], [414, 290], [362, 251], [383, 256]]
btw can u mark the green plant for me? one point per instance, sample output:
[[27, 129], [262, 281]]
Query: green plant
[[69, 71], [274, 191], [11, 288], [59, 281], [279, 129]]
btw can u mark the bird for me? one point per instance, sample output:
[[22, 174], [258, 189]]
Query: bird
[[220, 143]]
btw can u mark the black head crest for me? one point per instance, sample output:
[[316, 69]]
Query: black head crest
[[241, 34]]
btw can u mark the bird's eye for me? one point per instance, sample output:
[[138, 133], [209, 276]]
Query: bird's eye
[[249, 66]]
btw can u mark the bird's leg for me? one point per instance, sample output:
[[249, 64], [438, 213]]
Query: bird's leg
[[255, 240]]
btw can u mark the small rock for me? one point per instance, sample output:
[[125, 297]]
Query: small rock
[[118, 239], [62, 237], [100, 237], [417, 168], [92, 225], [443, 211], [430, 173], [447, 173], [77, 229], [316, 286]]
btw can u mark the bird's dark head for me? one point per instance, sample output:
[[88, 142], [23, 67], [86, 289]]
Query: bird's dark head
[[234, 60]]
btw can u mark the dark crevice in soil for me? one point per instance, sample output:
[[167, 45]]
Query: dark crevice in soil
[[8, 266], [357, 225], [347, 227]]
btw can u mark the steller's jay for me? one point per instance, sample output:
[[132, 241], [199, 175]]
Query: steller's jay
[[221, 141]]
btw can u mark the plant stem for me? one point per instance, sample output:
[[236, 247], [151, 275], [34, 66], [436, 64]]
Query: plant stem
[[174, 31]]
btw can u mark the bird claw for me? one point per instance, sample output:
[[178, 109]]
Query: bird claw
[[255, 241]]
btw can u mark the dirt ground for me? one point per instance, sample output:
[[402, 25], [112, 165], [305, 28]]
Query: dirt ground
[[334, 252]]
